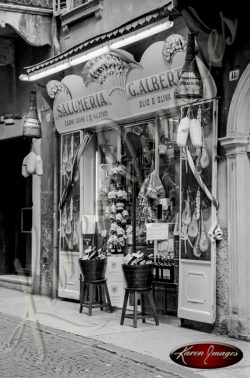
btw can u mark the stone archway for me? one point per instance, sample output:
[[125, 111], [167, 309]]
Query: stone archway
[[237, 147]]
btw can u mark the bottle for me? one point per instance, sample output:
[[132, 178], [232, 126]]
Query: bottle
[[160, 265], [165, 269], [154, 268], [32, 124], [172, 270]]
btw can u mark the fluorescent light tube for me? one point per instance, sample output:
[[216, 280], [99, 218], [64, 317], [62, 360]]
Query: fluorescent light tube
[[24, 77], [90, 55], [141, 35], [48, 72]]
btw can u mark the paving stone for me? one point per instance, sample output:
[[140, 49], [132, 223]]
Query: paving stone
[[27, 352]]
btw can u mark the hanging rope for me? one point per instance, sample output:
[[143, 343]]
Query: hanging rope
[[74, 172], [199, 179]]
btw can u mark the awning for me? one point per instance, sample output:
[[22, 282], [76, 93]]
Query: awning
[[65, 60]]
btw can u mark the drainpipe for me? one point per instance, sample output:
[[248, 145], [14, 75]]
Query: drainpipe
[[55, 271]]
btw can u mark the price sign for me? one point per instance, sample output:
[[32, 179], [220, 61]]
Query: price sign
[[157, 231]]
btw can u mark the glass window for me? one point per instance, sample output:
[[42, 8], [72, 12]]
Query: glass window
[[138, 169]]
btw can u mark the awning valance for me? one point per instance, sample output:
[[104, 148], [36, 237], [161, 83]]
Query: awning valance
[[65, 60]]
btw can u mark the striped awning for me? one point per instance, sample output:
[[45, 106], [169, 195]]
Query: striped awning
[[126, 29]]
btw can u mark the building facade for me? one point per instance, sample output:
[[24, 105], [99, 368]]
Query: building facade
[[137, 129]]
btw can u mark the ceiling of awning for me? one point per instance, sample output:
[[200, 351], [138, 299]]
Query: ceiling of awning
[[127, 28]]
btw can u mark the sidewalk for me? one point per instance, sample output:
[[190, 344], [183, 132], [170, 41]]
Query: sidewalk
[[147, 339]]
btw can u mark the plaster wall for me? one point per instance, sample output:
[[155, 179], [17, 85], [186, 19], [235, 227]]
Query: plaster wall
[[114, 14]]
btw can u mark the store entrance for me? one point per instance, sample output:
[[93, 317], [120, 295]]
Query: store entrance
[[15, 208], [138, 184]]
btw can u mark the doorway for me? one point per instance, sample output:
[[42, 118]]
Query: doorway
[[15, 208]]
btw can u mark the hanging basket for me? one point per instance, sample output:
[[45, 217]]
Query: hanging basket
[[32, 124]]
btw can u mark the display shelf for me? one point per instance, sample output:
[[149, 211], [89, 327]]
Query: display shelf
[[166, 298]]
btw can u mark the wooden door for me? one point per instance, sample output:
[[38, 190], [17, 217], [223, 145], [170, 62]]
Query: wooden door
[[197, 260]]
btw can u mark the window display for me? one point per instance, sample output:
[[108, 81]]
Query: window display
[[196, 186], [70, 212], [138, 187]]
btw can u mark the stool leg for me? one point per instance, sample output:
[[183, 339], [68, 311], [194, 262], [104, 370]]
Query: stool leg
[[125, 301], [100, 295], [91, 293], [143, 307], [152, 303], [153, 289], [108, 297], [135, 310], [81, 295]]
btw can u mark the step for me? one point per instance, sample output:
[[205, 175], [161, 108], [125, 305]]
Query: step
[[12, 281]]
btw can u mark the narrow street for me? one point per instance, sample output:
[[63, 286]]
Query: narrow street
[[52, 353]]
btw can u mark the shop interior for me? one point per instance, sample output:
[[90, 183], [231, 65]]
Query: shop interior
[[138, 182], [135, 174]]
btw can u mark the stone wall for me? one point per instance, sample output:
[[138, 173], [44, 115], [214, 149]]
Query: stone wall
[[47, 200], [222, 284]]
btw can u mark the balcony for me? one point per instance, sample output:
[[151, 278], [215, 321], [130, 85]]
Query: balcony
[[45, 4], [74, 10]]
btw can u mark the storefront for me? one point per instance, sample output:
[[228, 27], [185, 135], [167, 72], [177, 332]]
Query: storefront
[[135, 188]]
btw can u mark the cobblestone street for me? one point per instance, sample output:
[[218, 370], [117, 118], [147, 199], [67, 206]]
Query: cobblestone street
[[27, 352]]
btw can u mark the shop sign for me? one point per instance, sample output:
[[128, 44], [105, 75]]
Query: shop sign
[[153, 92], [116, 90], [83, 110]]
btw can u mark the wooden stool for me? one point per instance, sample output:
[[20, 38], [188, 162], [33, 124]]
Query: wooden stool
[[88, 291], [141, 315]]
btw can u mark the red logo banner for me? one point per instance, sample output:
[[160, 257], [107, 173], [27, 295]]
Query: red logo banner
[[206, 355]]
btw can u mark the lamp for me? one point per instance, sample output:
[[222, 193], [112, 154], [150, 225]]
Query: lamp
[[141, 35], [190, 82], [32, 124], [90, 55]]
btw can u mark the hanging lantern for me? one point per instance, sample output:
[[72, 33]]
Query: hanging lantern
[[190, 83], [32, 124]]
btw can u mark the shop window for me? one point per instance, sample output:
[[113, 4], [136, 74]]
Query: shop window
[[137, 184], [70, 212]]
